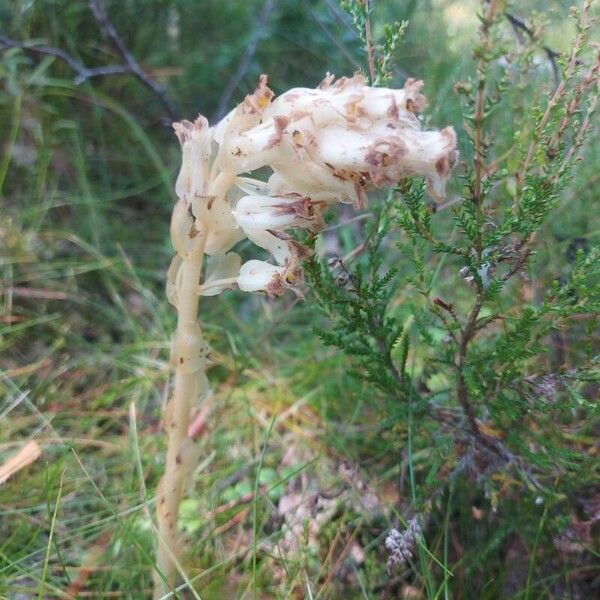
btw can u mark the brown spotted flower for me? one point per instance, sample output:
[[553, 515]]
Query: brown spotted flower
[[321, 146]]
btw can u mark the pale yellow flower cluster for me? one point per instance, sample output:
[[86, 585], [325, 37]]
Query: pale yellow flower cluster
[[317, 147]]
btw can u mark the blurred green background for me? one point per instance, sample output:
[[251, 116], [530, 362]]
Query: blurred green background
[[86, 190]]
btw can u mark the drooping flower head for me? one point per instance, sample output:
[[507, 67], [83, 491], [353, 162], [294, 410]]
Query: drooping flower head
[[321, 146]]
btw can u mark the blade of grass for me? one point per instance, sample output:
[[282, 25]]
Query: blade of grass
[[50, 536], [413, 492], [127, 529], [533, 552], [255, 511], [12, 138], [137, 131], [444, 586]]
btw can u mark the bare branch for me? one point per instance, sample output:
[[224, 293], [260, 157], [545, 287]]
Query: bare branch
[[340, 16], [99, 11], [101, 72], [7, 43], [82, 73], [520, 26], [251, 46], [333, 38]]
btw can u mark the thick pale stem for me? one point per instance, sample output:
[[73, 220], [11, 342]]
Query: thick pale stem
[[191, 386], [190, 358]]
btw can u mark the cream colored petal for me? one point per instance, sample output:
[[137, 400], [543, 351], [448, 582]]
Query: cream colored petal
[[183, 228], [279, 248], [196, 139], [252, 186], [257, 275], [277, 212], [221, 271], [247, 114], [222, 240], [216, 215], [172, 286]]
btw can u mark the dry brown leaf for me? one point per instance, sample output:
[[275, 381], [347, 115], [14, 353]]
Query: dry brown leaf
[[28, 454]]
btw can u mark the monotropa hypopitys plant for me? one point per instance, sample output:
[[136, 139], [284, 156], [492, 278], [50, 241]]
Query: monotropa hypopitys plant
[[322, 146]]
